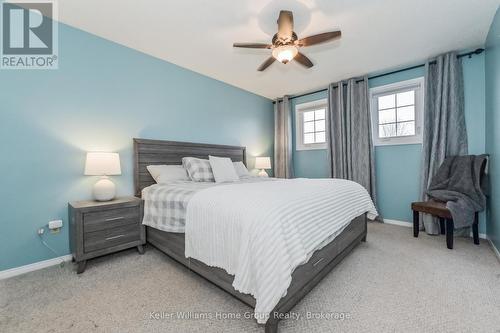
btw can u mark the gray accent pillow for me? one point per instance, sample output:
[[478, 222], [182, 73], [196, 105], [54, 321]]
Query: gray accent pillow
[[199, 170]]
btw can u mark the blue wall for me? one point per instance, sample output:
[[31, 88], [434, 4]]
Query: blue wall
[[492, 66], [101, 97], [398, 167]]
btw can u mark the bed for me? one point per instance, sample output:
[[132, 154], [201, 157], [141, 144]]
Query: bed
[[303, 278]]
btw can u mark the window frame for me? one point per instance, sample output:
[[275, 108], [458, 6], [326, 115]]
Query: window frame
[[300, 109], [416, 84]]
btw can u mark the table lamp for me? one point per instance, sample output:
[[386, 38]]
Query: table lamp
[[104, 165], [263, 163]]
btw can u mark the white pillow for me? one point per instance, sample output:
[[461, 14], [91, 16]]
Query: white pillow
[[241, 169], [166, 173], [223, 169]]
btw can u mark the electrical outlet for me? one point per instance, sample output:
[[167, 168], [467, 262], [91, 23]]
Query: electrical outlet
[[55, 224]]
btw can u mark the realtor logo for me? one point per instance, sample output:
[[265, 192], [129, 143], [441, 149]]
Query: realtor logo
[[29, 35]]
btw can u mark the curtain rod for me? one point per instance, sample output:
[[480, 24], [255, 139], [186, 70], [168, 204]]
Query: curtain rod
[[468, 54]]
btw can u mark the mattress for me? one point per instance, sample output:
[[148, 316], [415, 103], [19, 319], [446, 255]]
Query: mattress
[[165, 204]]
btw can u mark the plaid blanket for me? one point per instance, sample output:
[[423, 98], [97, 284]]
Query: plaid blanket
[[165, 204]]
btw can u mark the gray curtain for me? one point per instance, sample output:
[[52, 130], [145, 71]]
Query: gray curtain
[[444, 133], [350, 146], [283, 167]]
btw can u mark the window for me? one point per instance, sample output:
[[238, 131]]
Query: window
[[310, 125], [397, 113]]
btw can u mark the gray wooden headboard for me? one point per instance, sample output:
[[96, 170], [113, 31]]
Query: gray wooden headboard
[[149, 152]]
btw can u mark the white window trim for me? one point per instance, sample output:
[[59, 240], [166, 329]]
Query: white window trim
[[299, 123], [419, 111]]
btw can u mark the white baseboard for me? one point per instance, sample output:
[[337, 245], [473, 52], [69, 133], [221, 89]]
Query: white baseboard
[[33, 267], [497, 253], [410, 225], [397, 222]]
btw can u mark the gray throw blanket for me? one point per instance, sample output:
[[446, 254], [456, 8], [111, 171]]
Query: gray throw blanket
[[458, 183]]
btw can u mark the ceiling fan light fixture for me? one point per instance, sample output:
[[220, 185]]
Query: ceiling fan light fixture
[[285, 43], [285, 53]]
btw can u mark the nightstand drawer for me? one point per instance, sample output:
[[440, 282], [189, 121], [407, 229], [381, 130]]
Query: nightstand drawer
[[111, 218], [103, 239]]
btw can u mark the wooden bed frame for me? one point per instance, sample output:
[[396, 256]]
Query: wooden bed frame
[[304, 278]]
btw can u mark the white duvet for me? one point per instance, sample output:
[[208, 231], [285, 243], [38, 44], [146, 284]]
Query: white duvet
[[260, 232]]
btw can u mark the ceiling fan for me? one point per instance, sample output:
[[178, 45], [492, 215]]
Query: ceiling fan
[[285, 44]]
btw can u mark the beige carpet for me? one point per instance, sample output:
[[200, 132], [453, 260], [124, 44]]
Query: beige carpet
[[392, 283]]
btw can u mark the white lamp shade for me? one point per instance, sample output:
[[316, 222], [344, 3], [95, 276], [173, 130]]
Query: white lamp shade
[[285, 53], [102, 164], [262, 163]]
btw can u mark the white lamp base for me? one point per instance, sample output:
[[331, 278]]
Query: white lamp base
[[262, 173], [104, 189]]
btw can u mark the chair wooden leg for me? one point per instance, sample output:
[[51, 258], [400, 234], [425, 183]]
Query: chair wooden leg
[[416, 223], [475, 229], [442, 226], [449, 233]]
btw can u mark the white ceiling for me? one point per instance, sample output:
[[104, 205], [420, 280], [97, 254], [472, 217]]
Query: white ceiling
[[377, 35]]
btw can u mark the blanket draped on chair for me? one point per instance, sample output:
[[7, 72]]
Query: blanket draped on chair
[[458, 183]]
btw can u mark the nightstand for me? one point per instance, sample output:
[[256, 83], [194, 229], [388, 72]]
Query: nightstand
[[99, 228]]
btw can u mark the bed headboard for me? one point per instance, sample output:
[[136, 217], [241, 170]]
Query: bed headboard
[[149, 152]]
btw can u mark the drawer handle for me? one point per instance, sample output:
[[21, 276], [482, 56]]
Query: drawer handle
[[317, 262], [114, 219], [114, 237]]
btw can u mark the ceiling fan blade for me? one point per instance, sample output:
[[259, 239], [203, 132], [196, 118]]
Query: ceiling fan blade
[[285, 25], [253, 45], [303, 60], [266, 64], [319, 38]]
